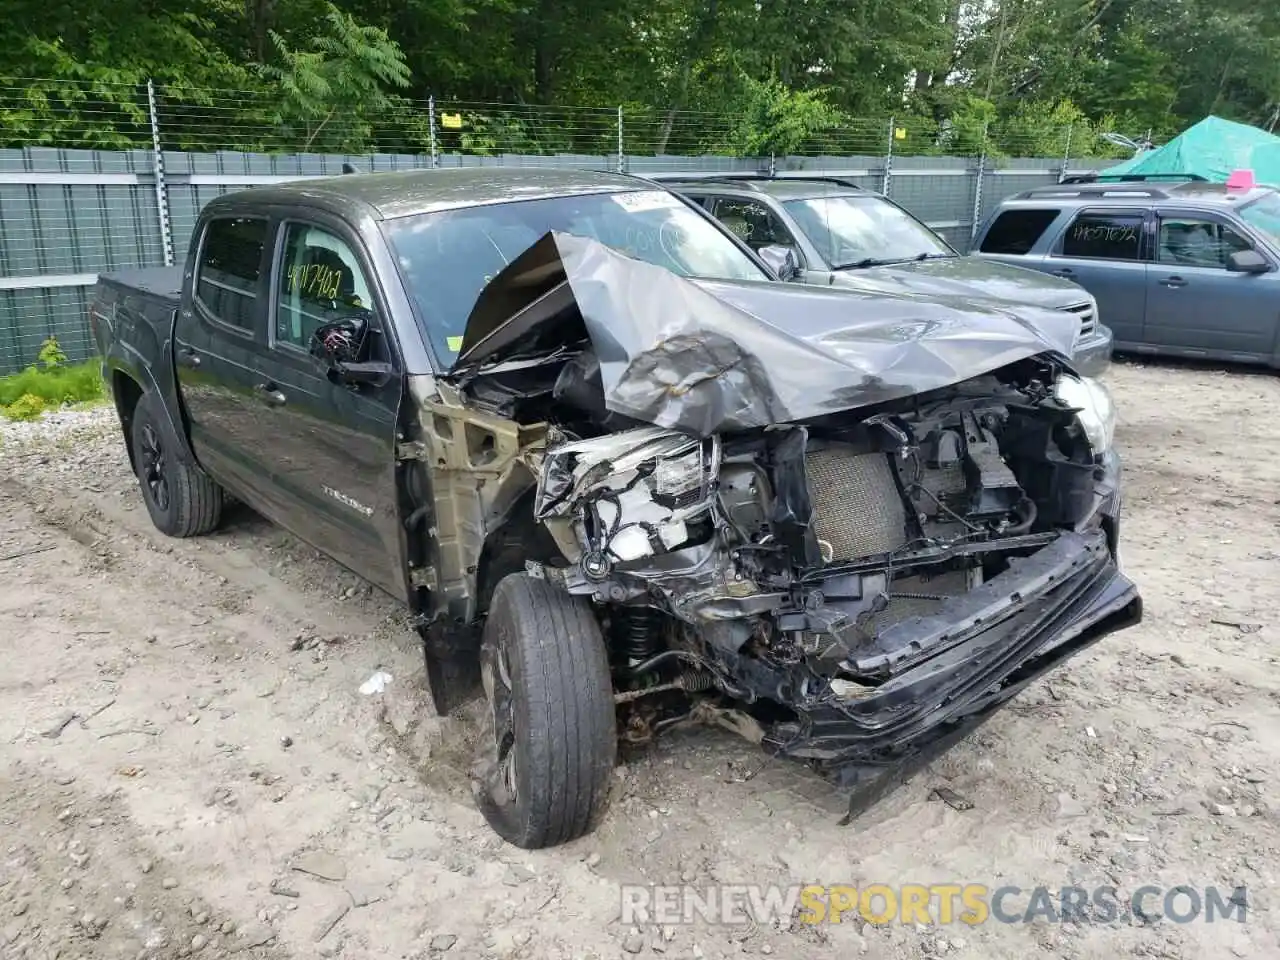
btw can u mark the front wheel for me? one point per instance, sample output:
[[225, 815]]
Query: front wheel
[[546, 678], [182, 499]]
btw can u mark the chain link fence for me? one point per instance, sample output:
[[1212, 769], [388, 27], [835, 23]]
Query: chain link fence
[[97, 177]]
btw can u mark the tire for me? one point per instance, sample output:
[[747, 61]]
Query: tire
[[182, 499], [546, 677]]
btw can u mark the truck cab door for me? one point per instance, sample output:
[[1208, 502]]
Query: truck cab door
[[331, 443], [220, 327]]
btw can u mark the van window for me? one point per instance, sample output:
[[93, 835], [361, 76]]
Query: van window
[[229, 268], [1016, 231], [1104, 236]]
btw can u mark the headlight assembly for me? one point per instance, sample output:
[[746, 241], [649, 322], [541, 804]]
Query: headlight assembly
[[1095, 408]]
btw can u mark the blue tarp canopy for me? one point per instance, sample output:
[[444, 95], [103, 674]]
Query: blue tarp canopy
[[1212, 149]]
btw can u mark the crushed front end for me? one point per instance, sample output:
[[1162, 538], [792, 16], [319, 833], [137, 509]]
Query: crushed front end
[[863, 521], [868, 585]]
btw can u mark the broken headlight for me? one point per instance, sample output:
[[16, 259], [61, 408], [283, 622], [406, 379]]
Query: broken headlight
[[1094, 407]]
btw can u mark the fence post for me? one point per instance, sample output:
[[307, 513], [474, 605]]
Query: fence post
[[888, 161], [157, 166], [1066, 155], [431, 130], [977, 187], [622, 156]]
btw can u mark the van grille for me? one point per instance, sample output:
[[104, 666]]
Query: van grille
[[1088, 319]]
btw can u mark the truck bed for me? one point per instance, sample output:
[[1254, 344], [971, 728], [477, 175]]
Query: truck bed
[[163, 283]]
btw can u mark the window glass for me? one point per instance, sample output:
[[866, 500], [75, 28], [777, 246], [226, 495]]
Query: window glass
[[1104, 236], [448, 257], [320, 282], [1197, 243], [229, 269], [865, 230], [1264, 214], [753, 223], [1016, 231]]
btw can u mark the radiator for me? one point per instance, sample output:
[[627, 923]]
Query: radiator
[[857, 510]]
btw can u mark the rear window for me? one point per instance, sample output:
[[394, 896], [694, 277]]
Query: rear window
[[1104, 236], [229, 269], [1016, 231]]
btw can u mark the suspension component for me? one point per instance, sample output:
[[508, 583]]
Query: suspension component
[[693, 682], [638, 638]]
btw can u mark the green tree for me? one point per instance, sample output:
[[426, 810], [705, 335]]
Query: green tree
[[331, 92]]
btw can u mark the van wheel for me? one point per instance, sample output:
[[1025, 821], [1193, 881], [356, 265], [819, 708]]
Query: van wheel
[[182, 499], [545, 672]]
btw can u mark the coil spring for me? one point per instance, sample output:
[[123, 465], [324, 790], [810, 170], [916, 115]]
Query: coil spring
[[639, 640], [696, 681]]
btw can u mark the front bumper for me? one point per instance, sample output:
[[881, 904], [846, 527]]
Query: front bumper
[[936, 689], [1092, 356]]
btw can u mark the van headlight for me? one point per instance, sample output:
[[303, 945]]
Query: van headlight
[[1094, 407]]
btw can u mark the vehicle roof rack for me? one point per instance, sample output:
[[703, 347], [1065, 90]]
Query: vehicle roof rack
[[750, 179], [1095, 189], [1132, 177]]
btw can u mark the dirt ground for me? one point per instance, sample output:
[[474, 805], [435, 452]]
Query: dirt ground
[[181, 728]]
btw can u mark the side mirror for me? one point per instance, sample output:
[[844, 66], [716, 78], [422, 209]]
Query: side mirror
[[1248, 261], [781, 260], [341, 346]]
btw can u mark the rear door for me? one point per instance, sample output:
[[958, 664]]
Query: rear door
[[1195, 305], [1103, 249], [332, 445], [216, 340]]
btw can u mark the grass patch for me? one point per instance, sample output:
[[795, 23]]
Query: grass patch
[[48, 384]]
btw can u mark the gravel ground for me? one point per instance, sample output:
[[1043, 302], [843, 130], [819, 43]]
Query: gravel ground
[[187, 766]]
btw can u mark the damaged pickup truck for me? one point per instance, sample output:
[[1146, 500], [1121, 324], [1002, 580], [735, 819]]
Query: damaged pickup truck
[[624, 479]]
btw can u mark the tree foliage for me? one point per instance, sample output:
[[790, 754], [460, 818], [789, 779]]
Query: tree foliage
[[1008, 76]]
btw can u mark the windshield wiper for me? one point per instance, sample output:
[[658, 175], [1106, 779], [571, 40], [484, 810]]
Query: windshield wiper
[[866, 262], [887, 261]]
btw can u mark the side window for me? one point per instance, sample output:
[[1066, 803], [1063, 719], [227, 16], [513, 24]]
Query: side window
[[1187, 241], [1104, 236], [703, 202], [1016, 231], [320, 281], [229, 269], [754, 223]]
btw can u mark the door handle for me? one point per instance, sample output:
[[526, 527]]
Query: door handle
[[1064, 272], [188, 357], [1173, 282], [270, 394]]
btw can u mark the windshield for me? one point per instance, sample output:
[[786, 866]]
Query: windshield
[[1264, 215], [448, 258], [864, 230]]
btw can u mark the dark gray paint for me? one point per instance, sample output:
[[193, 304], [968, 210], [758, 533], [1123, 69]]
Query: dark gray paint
[[710, 356]]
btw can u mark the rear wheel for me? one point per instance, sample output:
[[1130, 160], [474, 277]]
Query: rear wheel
[[182, 499], [546, 679]]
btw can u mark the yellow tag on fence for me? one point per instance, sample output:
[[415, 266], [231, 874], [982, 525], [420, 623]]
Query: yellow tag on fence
[[451, 121], [900, 133]]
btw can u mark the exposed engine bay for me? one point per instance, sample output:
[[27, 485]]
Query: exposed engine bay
[[859, 579], [799, 544]]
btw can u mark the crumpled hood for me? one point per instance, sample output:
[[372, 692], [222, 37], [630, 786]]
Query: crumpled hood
[[708, 356], [966, 277]]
